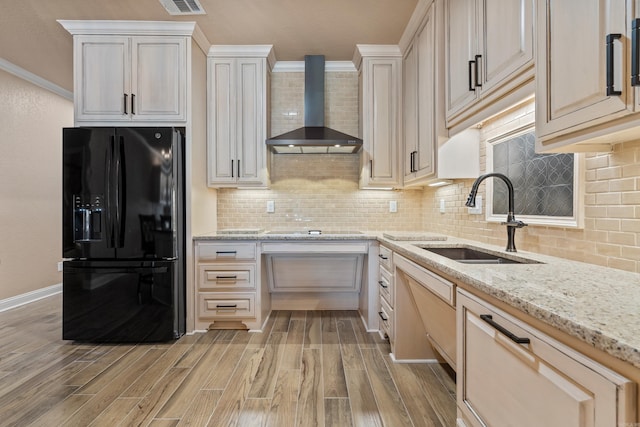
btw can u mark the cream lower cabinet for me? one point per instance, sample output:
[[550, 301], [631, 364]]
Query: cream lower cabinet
[[511, 374], [386, 292], [228, 293], [428, 309]]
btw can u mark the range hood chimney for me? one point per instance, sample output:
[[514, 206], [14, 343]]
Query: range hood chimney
[[314, 137]]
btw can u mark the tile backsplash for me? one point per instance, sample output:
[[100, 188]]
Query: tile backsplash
[[318, 192]]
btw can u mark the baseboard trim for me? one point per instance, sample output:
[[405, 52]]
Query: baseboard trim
[[393, 358], [26, 298]]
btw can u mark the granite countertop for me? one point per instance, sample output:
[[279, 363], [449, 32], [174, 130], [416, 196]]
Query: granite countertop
[[598, 305]]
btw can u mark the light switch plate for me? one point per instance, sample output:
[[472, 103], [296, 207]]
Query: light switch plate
[[442, 206], [271, 206], [393, 206], [478, 209]]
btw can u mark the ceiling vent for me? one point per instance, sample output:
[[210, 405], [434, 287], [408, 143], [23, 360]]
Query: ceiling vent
[[183, 7]]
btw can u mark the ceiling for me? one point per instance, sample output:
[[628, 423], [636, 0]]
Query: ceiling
[[31, 38]]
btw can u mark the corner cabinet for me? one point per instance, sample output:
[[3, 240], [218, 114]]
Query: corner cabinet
[[511, 374], [380, 88], [238, 115], [489, 48], [130, 71], [585, 100]]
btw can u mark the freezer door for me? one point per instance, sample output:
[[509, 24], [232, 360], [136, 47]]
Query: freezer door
[[87, 226], [147, 190], [122, 301]]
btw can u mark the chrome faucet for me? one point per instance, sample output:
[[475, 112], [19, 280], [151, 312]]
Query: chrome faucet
[[511, 222]]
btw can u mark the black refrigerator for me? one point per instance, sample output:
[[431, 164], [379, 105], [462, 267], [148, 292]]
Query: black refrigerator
[[123, 234]]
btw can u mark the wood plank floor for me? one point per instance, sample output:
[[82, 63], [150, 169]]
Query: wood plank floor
[[313, 368]]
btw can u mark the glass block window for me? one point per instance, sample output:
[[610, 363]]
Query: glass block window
[[543, 183]]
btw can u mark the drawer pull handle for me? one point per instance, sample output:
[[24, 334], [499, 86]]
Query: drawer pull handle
[[226, 277], [383, 257], [381, 314], [516, 339], [229, 306], [226, 252], [381, 283]]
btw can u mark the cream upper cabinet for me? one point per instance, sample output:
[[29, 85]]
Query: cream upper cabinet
[[421, 106], [130, 78], [130, 71], [237, 116], [380, 91], [583, 82], [489, 57], [511, 374]]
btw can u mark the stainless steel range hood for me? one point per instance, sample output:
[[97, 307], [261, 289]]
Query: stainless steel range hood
[[314, 137]]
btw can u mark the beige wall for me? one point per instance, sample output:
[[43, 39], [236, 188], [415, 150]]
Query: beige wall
[[611, 233], [31, 120]]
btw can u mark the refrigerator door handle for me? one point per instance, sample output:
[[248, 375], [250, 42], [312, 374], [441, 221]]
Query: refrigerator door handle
[[110, 204], [121, 194]]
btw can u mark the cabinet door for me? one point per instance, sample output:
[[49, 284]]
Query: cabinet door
[[159, 88], [221, 117], [572, 64], [251, 116], [508, 41], [535, 383], [427, 100], [410, 111], [461, 47], [102, 78], [381, 99]]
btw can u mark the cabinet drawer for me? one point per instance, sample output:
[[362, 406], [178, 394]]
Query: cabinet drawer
[[512, 372], [386, 258], [385, 281], [222, 305], [232, 275], [386, 318], [226, 252]]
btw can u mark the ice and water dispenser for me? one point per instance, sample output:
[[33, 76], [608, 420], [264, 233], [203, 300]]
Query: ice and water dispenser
[[87, 218]]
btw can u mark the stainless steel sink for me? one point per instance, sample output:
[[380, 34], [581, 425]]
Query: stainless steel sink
[[467, 255]]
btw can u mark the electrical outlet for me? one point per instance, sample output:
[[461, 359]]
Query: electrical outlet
[[442, 206], [60, 266], [393, 206], [271, 206], [478, 209]]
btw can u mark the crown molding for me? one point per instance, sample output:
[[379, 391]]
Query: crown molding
[[17, 71]]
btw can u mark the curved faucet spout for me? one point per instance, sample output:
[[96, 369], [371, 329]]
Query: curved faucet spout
[[511, 222]]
